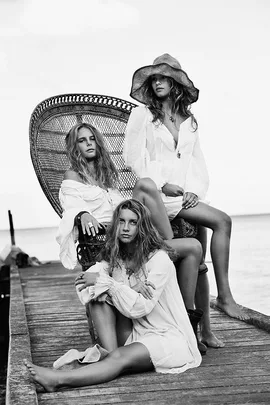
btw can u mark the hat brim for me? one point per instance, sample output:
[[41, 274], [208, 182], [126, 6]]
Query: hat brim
[[179, 75]]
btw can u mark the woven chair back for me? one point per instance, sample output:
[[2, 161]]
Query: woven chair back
[[53, 118]]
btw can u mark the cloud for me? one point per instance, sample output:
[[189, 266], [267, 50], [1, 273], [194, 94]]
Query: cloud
[[67, 17]]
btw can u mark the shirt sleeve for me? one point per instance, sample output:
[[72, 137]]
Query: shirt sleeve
[[139, 147], [71, 199], [129, 302], [72, 203], [90, 293], [197, 179]]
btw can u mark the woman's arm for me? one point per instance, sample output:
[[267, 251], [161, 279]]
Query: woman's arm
[[139, 149], [72, 202], [197, 179], [131, 303]]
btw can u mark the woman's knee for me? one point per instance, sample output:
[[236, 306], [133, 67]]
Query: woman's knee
[[224, 221], [195, 248], [120, 358], [146, 186], [134, 357]]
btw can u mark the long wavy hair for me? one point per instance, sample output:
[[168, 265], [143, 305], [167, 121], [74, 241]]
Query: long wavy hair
[[105, 172], [179, 97], [146, 241]]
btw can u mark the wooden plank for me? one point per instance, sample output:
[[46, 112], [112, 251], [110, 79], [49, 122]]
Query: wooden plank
[[196, 396], [19, 389], [238, 373], [257, 319]]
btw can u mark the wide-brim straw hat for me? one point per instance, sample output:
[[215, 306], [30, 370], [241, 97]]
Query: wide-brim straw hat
[[164, 65]]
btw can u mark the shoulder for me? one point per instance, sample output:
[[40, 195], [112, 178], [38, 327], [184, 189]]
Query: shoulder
[[72, 175], [139, 112], [160, 264], [99, 266], [159, 256]]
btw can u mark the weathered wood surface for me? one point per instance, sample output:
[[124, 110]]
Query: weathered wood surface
[[239, 373], [19, 390]]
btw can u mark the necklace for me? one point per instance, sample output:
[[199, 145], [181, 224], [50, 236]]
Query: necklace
[[129, 271], [171, 118]]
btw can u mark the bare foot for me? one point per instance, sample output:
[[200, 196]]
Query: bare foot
[[210, 340], [43, 376], [231, 308]]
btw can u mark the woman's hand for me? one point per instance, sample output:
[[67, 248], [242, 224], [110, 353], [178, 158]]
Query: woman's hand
[[89, 224], [144, 289], [86, 279], [190, 200], [172, 190]]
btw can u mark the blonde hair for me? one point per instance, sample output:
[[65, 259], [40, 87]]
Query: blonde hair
[[105, 172]]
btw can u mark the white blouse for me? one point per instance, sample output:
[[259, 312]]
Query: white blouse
[[160, 323], [150, 151], [74, 198]]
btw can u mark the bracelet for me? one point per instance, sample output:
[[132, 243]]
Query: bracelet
[[77, 219]]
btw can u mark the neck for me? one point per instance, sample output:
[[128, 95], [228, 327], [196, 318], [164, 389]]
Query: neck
[[127, 251], [167, 106], [91, 167]]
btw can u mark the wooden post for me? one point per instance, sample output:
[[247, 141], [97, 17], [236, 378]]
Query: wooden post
[[11, 228]]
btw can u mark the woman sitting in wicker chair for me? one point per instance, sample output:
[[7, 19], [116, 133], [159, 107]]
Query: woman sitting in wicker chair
[[89, 196]]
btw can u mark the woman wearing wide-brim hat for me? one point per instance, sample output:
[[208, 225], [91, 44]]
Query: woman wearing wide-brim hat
[[162, 144]]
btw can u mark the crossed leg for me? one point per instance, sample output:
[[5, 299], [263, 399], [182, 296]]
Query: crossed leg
[[189, 254], [146, 191]]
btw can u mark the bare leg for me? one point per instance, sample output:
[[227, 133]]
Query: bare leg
[[104, 319], [112, 327], [123, 327], [202, 297], [146, 191], [131, 358], [202, 302], [220, 223], [189, 253], [202, 237]]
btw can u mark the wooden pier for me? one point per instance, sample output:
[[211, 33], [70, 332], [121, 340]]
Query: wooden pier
[[47, 319]]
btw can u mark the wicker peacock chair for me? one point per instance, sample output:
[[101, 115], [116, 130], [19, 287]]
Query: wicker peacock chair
[[49, 124]]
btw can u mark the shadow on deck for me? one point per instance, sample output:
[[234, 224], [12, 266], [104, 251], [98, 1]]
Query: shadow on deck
[[47, 319]]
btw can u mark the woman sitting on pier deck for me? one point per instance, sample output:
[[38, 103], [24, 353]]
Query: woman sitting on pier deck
[[150, 333], [89, 192]]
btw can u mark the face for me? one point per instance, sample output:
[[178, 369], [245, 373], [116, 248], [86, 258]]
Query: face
[[86, 142], [128, 225], [161, 86]]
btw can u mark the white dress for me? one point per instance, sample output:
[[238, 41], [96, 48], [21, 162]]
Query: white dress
[[74, 198], [150, 151], [162, 323]]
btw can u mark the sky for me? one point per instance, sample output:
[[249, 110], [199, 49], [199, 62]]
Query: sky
[[51, 47]]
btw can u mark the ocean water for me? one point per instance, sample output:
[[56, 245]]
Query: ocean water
[[249, 259], [249, 271]]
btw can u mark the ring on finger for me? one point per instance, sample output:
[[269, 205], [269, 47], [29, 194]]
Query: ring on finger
[[90, 224]]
